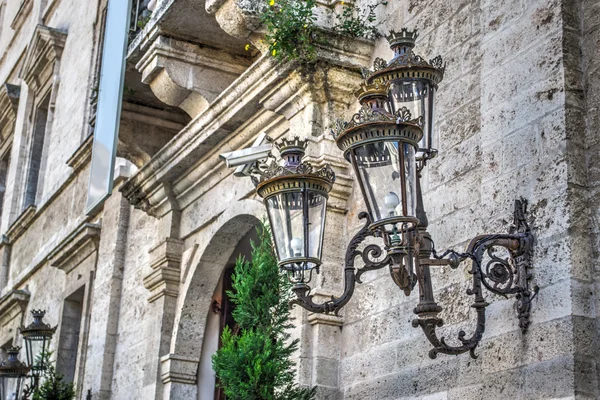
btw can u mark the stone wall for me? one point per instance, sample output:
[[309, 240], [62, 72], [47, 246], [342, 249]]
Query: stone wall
[[506, 129]]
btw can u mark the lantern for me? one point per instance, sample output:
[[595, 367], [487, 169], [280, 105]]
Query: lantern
[[382, 147], [412, 84], [295, 195], [37, 338], [12, 375]]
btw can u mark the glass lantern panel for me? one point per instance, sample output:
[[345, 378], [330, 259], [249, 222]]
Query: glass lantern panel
[[35, 352], [317, 206], [286, 215], [10, 388], [418, 96], [387, 174]]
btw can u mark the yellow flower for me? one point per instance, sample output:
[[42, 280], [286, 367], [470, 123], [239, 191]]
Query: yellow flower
[[305, 25], [274, 52], [247, 47], [342, 3], [272, 2]]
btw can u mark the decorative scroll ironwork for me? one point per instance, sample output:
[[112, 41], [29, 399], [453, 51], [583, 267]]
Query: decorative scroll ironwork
[[502, 276], [369, 256], [367, 115]]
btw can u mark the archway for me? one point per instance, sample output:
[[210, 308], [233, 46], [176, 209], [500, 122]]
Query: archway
[[219, 316], [218, 244]]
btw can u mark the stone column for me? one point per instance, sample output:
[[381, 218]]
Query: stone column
[[163, 282], [106, 298]]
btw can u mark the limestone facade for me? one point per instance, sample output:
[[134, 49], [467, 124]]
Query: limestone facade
[[133, 286]]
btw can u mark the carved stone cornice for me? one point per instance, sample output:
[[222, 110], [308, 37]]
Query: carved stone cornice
[[9, 103], [82, 156], [264, 85], [76, 247], [21, 224], [22, 14], [12, 305], [165, 277], [43, 56]]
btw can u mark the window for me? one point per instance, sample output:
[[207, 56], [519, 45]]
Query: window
[[38, 139], [4, 164], [70, 328]]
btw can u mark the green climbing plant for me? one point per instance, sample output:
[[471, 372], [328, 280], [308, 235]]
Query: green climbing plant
[[255, 363], [357, 22], [291, 30], [292, 33]]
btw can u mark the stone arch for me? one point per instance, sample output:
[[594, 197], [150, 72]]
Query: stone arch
[[217, 246]]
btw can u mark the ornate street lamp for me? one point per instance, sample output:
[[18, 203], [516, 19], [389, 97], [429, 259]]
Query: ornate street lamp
[[37, 336], [387, 143], [13, 374], [295, 195]]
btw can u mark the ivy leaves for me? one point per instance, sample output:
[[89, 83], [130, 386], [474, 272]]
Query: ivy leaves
[[292, 33]]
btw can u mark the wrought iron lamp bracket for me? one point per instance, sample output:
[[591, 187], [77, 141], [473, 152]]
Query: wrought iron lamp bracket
[[369, 255], [501, 276]]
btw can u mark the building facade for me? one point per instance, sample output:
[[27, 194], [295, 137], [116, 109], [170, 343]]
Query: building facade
[[135, 288]]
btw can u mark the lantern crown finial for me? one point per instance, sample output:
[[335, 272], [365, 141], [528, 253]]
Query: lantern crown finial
[[13, 352], [403, 38], [374, 90], [292, 150]]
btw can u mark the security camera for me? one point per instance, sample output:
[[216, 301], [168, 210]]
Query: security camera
[[245, 159]]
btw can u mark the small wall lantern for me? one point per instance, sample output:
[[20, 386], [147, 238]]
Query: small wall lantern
[[13, 374]]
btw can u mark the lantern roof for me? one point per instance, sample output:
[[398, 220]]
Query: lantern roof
[[38, 329], [405, 64], [12, 367], [291, 171], [369, 125]]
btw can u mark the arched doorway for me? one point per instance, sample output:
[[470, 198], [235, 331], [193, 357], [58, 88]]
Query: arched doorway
[[219, 316]]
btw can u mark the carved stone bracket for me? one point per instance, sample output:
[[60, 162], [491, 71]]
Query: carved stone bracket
[[12, 308], [165, 277], [186, 75]]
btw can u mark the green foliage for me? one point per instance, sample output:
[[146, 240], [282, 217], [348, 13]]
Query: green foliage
[[291, 29], [356, 22], [292, 33], [53, 386], [255, 364]]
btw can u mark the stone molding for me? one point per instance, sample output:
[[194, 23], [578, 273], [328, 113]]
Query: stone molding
[[82, 156], [21, 223], [325, 319], [187, 75], [165, 277], [42, 59], [22, 14], [179, 369], [76, 247], [9, 103], [265, 81]]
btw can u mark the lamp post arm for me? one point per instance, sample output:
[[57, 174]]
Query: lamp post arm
[[502, 276], [351, 274]]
